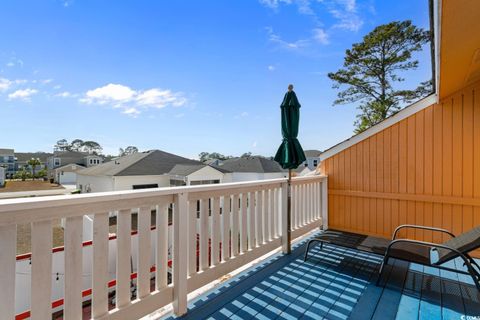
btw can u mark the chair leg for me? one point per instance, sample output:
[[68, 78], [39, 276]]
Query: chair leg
[[308, 247], [382, 267], [473, 273]]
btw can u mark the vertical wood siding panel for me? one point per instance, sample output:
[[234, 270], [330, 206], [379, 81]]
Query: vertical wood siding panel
[[476, 151], [467, 158], [437, 166], [372, 214], [457, 163], [419, 168], [387, 160], [353, 186], [348, 174], [411, 148], [428, 170], [447, 163], [402, 142]]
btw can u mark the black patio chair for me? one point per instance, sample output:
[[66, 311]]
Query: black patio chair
[[421, 252], [410, 250]]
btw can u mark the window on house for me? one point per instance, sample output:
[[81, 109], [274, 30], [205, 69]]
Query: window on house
[[56, 162], [315, 163]]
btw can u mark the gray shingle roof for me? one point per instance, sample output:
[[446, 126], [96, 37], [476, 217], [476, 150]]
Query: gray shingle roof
[[154, 162], [250, 164], [25, 156], [312, 153], [6, 151]]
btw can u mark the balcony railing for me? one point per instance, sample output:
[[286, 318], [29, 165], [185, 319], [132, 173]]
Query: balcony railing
[[216, 229]]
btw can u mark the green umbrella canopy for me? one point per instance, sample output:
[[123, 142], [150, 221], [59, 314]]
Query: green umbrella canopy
[[290, 153]]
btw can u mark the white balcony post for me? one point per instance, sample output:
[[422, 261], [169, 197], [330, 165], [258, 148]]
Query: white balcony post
[[286, 237], [8, 240], [324, 193], [180, 254]]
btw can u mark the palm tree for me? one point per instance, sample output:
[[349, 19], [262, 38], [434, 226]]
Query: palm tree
[[33, 163]]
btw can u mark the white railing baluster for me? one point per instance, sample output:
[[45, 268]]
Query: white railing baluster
[[161, 259], [180, 246], [275, 214], [216, 231], [8, 241], [143, 256], [259, 217], [204, 234], [324, 200], [73, 267], [235, 223], [192, 236], [251, 220], [226, 228], [41, 304], [294, 203], [270, 214], [100, 275], [243, 215], [285, 219], [124, 247]]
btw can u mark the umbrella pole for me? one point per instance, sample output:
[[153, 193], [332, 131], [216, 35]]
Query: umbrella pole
[[289, 212]]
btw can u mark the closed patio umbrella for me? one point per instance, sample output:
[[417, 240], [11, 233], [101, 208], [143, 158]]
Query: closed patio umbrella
[[290, 153]]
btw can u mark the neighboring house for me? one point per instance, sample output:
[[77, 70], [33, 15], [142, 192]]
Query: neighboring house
[[63, 158], [302, 171], [196, 174], [313, 159], [22, 158], [251, 168], [141, 170], [2, 176], [7, 161], [67, 174]]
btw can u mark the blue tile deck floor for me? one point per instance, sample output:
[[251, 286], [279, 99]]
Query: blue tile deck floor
[[338, 283]]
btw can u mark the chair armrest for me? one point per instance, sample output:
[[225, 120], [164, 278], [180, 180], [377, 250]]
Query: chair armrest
[[424, 244], [412, 226]]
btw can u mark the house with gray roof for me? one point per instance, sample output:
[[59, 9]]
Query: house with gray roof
[[313, 159], [196, 174], [150, 169], [251, 168]]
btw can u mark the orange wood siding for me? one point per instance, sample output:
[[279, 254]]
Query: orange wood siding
[[422, 170]]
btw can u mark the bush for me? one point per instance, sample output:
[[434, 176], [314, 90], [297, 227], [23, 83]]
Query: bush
[[23, 174]]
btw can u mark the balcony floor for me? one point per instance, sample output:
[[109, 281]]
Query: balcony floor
[[338, 283]]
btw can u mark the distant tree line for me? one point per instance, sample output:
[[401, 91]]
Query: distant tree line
[[205, 156], [79, 145]]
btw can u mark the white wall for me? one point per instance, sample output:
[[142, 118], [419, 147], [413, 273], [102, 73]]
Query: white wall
[[127, 182], [206, 173], [94, 184], [250, 176], [67, 177], [310, 161]]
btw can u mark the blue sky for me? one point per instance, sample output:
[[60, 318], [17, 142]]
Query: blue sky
[[181, 76]]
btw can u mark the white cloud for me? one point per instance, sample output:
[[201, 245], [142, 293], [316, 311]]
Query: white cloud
[[320, 36], [57, 87], [5, 84], [254, 144], [275, 38], [271, 68], [46, 81], [23, 94], [111, 93], [10, 64], [131, 112], [160, 98], [273, 4], [64, 94], [133, 101]]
